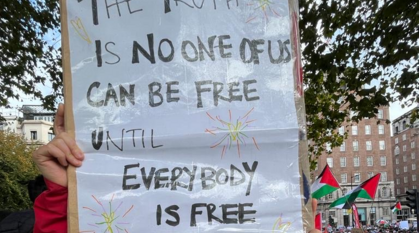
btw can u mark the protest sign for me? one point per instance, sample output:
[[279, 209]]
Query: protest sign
[[190, 114]]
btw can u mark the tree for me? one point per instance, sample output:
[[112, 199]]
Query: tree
[[357, 56], [360, 54], [16, 169], [27, 58]]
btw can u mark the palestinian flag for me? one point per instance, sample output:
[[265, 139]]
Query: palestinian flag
[[325, 184], [397, 207], [365, 190]]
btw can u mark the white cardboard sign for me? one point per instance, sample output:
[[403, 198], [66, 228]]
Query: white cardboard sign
[[186, 112]]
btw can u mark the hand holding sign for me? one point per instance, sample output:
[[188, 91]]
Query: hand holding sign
[[53, 158], [161, 104]]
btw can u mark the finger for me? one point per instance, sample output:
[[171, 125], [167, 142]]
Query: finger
[[65, 148], [59, 120], [41, 154], [71, 144], [58, 154]]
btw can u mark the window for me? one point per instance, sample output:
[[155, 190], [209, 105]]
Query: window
[[355, 145], [354, 130], [405, 179], [50, 136], [342, 147], [397, 171], [370, 174], [414, 187], [404, 158], [344, 190], [357, 177], [382, 145], [397, 150], [412, 145], [386, 211], [413, 155], [343, 162], [330, 196], [383, 161], [383, 176], [397, 181], [328, 147], [405, 168], [367, 129], [396, 140], [404, 147], [413, 166], [330, 162], [404, 137], [344, 178], [384, 192], [342, 130], [369, 161], [398, 191], [380, 129], [34, 135], [414, 177], [356, 161], [372, 210], [369, 145], [380, 114], [397, 160]]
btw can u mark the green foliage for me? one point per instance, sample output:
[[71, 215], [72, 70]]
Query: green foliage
[[357, 56], [26, 58], [16, 169]]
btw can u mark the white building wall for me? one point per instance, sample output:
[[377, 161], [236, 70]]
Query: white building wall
[[39, 132], [10, 124]]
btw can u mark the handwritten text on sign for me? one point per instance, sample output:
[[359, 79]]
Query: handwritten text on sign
[[186, 112]]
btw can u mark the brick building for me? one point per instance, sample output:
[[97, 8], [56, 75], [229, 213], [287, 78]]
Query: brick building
[[365, 152], [405, 149]]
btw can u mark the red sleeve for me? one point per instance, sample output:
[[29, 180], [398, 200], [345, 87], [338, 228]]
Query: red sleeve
[[51, 209]]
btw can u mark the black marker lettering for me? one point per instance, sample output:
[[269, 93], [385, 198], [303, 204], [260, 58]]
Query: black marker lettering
[[106, 48], [97, 143], [148, 55], [89, 93], [128, 177]]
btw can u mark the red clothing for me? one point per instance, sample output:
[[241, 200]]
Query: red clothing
[[51, 209]]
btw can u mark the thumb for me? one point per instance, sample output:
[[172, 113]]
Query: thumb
[[59, 126]]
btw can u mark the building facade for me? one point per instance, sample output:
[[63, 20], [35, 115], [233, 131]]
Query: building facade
[[365, 153], [405, 151], [35, 125], [10, 124]]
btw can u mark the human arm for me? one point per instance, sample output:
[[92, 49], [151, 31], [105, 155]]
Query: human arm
[[52, 160]]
